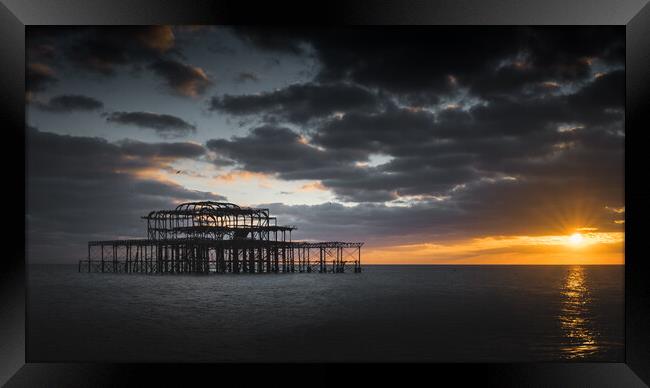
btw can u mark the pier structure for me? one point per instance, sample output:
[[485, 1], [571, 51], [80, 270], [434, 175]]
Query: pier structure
[[218, 237]]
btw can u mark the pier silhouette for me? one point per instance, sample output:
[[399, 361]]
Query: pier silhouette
[[218, 237]]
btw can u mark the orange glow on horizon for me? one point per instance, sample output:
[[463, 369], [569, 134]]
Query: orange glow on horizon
[[577, 248]]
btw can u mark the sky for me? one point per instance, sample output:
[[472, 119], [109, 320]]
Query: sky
[[433, 145]]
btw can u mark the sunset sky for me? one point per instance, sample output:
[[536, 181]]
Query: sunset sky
[[451, 145]]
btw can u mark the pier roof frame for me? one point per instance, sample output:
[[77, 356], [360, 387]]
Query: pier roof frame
[[209, 208]]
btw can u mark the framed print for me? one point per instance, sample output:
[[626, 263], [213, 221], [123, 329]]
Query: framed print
[[212, 189]]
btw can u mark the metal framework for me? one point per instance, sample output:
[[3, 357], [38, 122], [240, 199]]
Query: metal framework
[[218, 237]]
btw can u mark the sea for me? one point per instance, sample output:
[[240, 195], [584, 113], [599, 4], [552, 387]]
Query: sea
[[407, 313]]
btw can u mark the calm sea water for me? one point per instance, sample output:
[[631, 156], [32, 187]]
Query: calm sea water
[[386, 313]]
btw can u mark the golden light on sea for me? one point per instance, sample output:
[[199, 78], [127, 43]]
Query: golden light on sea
[[581, 337]]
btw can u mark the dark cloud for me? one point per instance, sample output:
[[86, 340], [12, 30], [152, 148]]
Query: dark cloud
[[69, 103], [41, 52], [596, 100], [161, 150], [376, 132], [103, 49], [536, 104], [185, 80], [420, 59], [553, 140], [247, 76], [39, 77], [280, 150], [81, 188], [164, 124], [274, 38], [493, 61], [298, 103]]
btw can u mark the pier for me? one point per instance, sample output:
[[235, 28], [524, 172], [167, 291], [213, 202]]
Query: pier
[[218, 237]]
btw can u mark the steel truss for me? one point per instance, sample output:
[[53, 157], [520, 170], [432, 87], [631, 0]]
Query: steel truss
[[218, 237]]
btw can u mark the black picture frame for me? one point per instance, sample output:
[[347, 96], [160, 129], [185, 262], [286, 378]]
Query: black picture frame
[[15, 369]]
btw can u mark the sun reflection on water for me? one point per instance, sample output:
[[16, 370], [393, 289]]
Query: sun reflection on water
[[581, 340]]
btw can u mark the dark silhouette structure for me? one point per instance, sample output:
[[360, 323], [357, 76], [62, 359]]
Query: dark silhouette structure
[[218, 237]]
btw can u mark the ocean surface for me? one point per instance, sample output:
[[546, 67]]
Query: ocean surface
[[386, 313]]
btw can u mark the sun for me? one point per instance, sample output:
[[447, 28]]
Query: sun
[[576, 239]]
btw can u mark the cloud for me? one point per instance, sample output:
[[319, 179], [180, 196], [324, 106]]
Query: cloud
[[185, 80], [446, 118], [104, 49], [247, 76], [314, 186], [596, 100], [433, 153], [39, 77], [490, 62], [272, 38], [298, 103], [164, 124], [376, 131], [83, 188], [161, 150], [240, 175], [279, 150], [156, 38], [41, 52], [69, 103]]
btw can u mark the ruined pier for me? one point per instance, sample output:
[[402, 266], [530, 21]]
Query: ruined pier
[[218, 237]]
